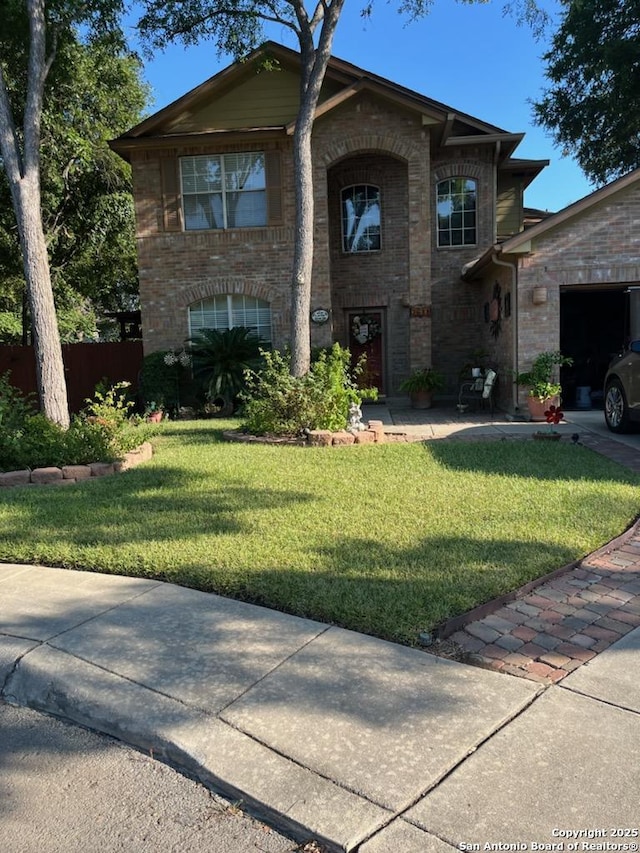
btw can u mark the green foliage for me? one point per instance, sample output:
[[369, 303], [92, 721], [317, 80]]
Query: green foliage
[[10, 328], [375, 538], [592, 108], [220, 359], [94, 91], [276, 402], [102, 432], [14, 407], [426, 379], [165, 381], [540, 379]]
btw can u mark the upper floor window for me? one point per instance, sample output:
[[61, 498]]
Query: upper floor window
[[223, 191], [361, 218], [227, 310], [456, 208]]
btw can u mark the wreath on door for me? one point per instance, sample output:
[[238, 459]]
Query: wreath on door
[[364, 328]]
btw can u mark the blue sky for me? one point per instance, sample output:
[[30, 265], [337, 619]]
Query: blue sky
[[474, 58]]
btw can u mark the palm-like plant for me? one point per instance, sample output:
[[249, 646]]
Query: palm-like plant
[[220, 359]]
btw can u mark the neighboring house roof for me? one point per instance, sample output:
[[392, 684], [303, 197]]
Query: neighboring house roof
[[520, 244], [343, 81]]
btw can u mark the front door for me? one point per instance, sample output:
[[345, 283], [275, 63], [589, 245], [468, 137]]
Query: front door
[[366, 332]]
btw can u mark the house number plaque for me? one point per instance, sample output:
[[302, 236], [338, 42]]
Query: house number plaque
[[420, 311], [320, 315]]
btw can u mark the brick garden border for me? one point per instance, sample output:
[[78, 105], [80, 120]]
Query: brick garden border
[[374, 433], [70, 474]]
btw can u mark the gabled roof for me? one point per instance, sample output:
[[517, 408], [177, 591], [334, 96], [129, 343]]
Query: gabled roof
[[342, 82], [520, 243]]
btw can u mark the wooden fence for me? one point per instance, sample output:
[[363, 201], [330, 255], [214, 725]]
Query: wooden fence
[[85, 365]]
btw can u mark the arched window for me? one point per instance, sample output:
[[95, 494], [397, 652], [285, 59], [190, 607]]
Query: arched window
[[456, 209], [224, 311], [361, 218]]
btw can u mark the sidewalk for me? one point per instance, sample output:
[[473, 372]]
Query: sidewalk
[[358, 743], [548, 632]]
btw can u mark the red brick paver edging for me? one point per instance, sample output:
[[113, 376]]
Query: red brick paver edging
[[548, 632]]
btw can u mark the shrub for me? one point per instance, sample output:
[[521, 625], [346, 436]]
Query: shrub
[[276, 402], [220, 361], [106, 426], [165, 381], [104, 431]]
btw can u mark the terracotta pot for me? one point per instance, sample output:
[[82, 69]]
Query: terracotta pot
[[538, 408], [155, 417], [421, 399]]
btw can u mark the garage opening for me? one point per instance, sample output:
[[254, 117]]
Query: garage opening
[[594, 327]]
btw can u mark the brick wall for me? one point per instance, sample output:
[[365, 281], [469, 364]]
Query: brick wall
[[369, 139], [599, 248]]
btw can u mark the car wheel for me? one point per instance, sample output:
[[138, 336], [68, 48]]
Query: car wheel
[[616, 410]]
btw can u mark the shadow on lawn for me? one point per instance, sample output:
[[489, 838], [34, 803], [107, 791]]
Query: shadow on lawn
[[143, 504], [533, 460]]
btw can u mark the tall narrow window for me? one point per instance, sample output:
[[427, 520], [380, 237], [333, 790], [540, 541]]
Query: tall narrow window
[[224, 311], [361, 218], [456, 208], [223, 191]]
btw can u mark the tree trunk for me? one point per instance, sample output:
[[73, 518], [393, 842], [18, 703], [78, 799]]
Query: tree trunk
[[303, 252], [21, 160], [314, 61], [52, 389]]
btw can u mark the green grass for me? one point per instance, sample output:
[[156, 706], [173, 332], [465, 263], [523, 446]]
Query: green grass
[[389, 540]]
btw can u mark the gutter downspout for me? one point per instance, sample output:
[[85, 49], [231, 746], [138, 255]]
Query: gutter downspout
[[514, 313]]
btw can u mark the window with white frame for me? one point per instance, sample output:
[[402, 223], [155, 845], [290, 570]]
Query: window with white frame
[[227, 310], [456, 209], [361, 218], [223, 191]]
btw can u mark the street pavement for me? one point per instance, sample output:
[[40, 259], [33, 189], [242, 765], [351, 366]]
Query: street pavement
[[359, 744], [64, 789]]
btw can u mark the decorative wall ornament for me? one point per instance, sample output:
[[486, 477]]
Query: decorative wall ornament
[[365, 328], [319, 316], [495, 311]]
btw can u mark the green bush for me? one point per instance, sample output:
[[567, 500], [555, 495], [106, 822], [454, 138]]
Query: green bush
[[276, 402], [14, 406], [165, 381], [102, 432], [220, 359]]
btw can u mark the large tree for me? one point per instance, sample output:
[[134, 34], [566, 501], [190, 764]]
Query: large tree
[[46, 25], [592, 107], [87, 207]]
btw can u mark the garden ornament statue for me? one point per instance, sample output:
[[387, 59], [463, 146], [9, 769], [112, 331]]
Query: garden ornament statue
[[355, 418]]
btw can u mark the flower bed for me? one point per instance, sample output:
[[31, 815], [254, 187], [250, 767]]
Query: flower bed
[[373, 434], [70, 474]]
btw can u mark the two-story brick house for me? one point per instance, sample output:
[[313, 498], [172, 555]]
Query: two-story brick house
[[408, 193]]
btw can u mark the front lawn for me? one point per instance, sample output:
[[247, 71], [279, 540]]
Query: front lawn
[[389, 540]]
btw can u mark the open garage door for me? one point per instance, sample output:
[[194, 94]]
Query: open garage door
[[595, 325]]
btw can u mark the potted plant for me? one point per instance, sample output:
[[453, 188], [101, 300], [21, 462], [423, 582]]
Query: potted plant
[[541, 379], [421, 385], [154, 412]]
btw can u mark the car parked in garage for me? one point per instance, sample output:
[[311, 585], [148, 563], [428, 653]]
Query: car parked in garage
[[622, 390]]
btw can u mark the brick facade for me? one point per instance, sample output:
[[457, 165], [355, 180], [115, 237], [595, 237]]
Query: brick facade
[[392, 139]]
